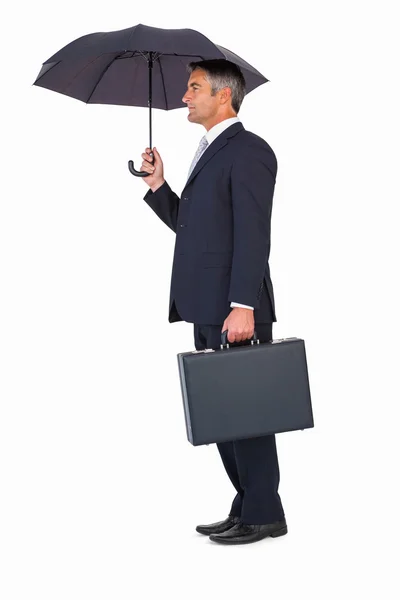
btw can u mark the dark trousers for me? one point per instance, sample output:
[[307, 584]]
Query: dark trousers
[[251, 464]]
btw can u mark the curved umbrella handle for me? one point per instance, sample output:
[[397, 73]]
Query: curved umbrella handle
[[138, 173]]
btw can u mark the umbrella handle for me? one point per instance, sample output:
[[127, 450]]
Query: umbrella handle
[[136, 173], [139, 173]]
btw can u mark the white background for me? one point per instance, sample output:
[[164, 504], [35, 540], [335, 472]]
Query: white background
[[100, 489]]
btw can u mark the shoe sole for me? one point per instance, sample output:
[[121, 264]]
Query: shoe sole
[[208, 533], [275, 534]]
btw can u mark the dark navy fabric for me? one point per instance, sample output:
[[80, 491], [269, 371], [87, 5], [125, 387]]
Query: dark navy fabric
[[222, 222]]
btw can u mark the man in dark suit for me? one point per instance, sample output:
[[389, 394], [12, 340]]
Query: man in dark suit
[[220, 275]]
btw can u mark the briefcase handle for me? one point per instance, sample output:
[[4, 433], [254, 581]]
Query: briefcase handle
[[224, 339]]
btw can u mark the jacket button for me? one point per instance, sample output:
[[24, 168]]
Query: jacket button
[[183, 225]]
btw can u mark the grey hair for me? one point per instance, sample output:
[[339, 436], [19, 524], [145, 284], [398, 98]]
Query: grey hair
[[222, 73]]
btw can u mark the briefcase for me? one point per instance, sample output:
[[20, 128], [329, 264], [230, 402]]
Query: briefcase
[[246, 391]]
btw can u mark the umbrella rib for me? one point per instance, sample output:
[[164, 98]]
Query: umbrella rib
[[77, 75], [165, 91], [48, 70], [185, 64], [101, 75]]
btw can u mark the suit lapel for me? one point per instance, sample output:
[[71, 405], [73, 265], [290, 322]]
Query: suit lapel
[[213, 148]]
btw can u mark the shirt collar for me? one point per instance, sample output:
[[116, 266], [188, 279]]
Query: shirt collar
[[215, 131]]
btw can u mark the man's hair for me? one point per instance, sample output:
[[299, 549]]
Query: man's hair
[[222, 73]]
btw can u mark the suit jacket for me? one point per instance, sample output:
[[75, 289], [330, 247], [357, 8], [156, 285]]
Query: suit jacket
[[222, 222]]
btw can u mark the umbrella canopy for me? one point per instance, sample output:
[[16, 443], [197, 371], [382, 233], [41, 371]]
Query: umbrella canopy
[[138, 66]]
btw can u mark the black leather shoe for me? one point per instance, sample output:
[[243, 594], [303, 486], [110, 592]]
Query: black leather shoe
[[218, 527], [246, 534]]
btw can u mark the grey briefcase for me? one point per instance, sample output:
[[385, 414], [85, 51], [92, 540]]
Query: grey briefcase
[[245, 391]]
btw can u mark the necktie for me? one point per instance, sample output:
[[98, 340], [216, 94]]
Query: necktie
[[202, 146]]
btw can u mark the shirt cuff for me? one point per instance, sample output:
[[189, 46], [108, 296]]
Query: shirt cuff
[[233, 304]]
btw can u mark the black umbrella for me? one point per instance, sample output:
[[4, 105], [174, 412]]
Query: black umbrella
[[114, 67]]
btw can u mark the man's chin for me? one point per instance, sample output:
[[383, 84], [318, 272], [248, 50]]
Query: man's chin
[[192, 118]]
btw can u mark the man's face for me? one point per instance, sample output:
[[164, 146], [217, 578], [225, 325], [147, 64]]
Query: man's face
[[202, 107]]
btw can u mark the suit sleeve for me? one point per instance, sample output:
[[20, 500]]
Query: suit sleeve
[[253, 181], [234, 304], [165, 204]]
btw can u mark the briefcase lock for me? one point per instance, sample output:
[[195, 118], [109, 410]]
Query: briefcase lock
[[289, 339], [199, 351]]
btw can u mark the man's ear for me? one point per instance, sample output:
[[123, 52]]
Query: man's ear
[[226, 94]]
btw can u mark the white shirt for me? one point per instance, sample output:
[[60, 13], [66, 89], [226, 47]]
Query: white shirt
[[211, 135]]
